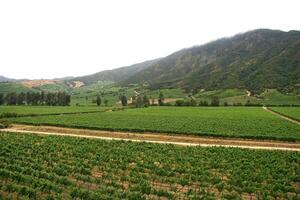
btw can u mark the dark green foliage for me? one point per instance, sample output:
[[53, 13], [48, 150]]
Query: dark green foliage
[[1, 99], [123, 100], [36, 98], [21, 98], [105, 102], [11, 98], [203, 103], [98, 100], [161, 99], [190, 102], [254, 60], [146, 101], [193, 102], [215, 101], [179, 103], [139, 102], [4, 124]]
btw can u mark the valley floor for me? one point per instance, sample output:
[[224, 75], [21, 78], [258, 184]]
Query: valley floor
[[183, 140]]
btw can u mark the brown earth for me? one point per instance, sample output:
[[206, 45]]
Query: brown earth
[[177, 139], [37, 83]]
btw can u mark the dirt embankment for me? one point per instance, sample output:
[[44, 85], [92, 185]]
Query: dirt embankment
[[157, 138], [37, 83]]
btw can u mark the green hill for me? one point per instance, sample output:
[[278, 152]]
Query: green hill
[[7, 87], [115, 75], [253, 60]]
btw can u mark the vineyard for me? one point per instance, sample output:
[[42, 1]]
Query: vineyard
[[219, 121], [44, 110], [292, 112], [55, 167]]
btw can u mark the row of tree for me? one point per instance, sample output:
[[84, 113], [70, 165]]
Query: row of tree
[[215, 101], [36, 98], [140, 101], [99, 101]]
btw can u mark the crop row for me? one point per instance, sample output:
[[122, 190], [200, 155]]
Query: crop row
[[228, 122], [55, 167], [292, 112], [42, 110]]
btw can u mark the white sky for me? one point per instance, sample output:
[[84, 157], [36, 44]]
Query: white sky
[[56, 38]]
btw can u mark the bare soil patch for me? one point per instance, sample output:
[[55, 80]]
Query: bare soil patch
[[183, 140], [37, 83]]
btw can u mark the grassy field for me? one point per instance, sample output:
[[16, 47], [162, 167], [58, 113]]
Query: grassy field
[[273, 97], [293, 112], [55, 167], [213, 121], [42, 110]]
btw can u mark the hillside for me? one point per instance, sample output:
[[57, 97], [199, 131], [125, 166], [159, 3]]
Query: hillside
[[253, 60], [5, 79], [115, 75]]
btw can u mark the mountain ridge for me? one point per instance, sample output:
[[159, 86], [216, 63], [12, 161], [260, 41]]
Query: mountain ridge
[[252, 60], [245, 60]]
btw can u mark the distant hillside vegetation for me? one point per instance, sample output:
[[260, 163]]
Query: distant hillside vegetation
[[253, 60], [9, 87], [5, 79], [115, 75]]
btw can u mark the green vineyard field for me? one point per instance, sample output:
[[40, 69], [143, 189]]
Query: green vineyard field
[[219, 121], [56, 167], [44, 110], [293, 112]]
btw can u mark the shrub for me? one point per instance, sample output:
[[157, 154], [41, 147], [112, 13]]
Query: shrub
[[4, 124]]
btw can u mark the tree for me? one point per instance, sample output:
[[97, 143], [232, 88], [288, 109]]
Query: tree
[[28, 98], [195, 91], [225, 103], [124, 100], [68, 100], [139, 102], [215, 101], [21, 98], [98, 101], [161, 99], [43, 98], [1, 99], [146, 101], [203, 103], [193, 102], [105, 102], [179, 102], [11, 98]]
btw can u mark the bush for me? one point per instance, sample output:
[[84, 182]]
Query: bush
[[4, 124], [179, 103], [8, 115]]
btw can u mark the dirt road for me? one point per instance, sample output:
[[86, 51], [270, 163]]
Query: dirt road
[[182, 140], [248, 93], [282, 116]]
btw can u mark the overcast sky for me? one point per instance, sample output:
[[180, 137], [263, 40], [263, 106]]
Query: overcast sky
[[57, 38]]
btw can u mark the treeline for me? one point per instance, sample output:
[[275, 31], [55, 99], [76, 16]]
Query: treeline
[[36, 98], [215, 101]]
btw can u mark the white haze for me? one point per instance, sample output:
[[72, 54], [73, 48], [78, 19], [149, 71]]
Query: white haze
[[57, 38]]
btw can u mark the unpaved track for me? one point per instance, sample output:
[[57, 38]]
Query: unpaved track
[[279, 115], [182, 140]]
